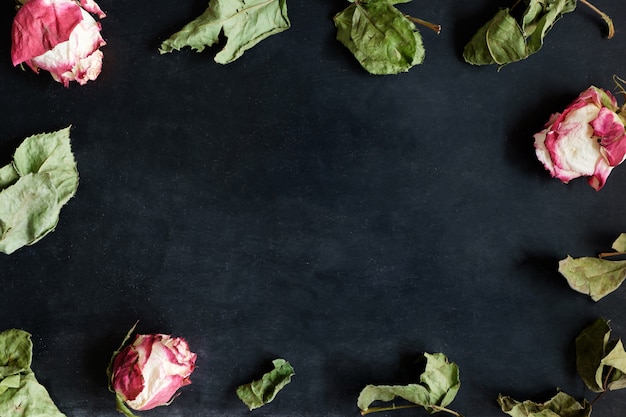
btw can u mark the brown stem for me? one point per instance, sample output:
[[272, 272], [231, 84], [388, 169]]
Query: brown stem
[[393, 407], [597, 397], [400, 407], [610, 254], [604, 17], [432, 26], [447, 410], [605, 386]]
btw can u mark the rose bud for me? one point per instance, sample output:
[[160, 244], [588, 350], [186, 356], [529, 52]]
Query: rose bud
[[148, 372], [586, 140], [59, 36]]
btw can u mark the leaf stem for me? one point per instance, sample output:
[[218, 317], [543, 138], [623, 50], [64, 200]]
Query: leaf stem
[[393, 407], [400, 407], [446, 410], [610, 254], [597, 398], [605, 384], [434, 27], [604, 17]]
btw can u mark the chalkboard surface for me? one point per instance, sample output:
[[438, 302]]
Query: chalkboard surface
[[290, 204]]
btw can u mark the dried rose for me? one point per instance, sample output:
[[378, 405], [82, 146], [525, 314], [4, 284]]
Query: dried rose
[[586, 140], [59, 36], [148, 372]]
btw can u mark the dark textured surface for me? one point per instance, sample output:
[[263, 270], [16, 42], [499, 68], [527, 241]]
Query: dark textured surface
[[291, 205]]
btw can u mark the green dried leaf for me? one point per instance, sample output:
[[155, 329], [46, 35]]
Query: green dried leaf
[[8, 176], [620, 243], [20, 393], [601, 362], [263, 391], [590, 350], [29, 210], [15, 352], [381, 38], [40, 180], [29, 400], [504, 39], [561, 405], [413, 393], [49, 153], [499, 41], [593, 276], [12, 381], [439, 384], [539, 18], [244, 22], [616, 359]]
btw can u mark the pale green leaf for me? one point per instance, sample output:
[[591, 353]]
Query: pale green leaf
[[504, 39], [49, 153], [40, 180], [531, 15], [15, 352], [593, 276], [29, 209], [552, 11], [264, 390], [499, 41], [29, 400], [20, 393], [601, 362], [380, 37], [413, 393], [620, 243], [615, 359], [442, 379], [245, 23], [561, 405], [439, 384], [8, 176], [12, 381]]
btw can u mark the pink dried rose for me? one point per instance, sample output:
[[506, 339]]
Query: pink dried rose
[[59, 36], [587, 140], [148, 372]]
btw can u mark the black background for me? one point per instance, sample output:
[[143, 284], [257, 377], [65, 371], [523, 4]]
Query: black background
[[291, 205]]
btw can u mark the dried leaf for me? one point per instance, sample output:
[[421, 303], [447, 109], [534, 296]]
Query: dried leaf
[[29, 210], [264, 390], [616, 359], [439, 384], [504, 39], [539, 18], [20, 393], [34, 187], [601, 362], [499, 41], [561, 405], [244, 22], [8, 176], [620, 243], [49, 153], [593, 276], [15, 352], [381, 38]]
